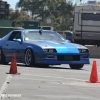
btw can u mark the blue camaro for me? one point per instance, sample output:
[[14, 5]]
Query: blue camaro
[[43, 47]]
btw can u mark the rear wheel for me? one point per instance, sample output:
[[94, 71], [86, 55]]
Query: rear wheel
[[76, 66], [2, 58], [29, 57]]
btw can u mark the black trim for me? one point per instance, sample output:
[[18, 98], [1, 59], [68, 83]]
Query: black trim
[[91, 16], [88, 31], [68, 57], [85, 25]]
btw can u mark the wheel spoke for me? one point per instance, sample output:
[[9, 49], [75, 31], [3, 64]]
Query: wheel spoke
[[28, 57]]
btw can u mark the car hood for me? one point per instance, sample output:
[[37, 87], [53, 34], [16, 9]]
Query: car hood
[[60, 47]]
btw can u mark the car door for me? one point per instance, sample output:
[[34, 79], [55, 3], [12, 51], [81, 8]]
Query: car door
[[14, 45]]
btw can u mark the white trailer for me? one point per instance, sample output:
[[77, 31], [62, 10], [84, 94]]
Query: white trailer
[[86, 28]]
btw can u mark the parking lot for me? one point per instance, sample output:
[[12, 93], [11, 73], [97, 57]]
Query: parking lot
[[53, 83]]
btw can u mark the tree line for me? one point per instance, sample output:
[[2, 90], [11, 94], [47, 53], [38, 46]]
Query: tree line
[[59, 11]]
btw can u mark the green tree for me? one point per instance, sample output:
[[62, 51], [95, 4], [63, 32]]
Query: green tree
[[59, 11], [18, 17]]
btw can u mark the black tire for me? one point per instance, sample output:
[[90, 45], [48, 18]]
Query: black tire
[[98, 45], [41, 65], [32, 58], [76, 66], [44, 65], [2, 58]]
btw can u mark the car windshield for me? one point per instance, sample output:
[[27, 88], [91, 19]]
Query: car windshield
[[45, 35]]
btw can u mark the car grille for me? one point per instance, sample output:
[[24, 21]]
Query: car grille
[[68, 57]]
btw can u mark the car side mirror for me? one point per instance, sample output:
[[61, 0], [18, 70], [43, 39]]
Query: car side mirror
[[17, 40]]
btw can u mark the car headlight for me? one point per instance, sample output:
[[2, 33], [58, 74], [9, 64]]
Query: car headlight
[[50, 50], [83, 50]]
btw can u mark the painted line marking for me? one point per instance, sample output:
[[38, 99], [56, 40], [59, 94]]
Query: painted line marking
[[70, 97], [4, 86]]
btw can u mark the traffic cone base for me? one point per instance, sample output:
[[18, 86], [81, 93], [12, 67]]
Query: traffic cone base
[[91, 82], [14, 74], [94, 74], [13, 67]]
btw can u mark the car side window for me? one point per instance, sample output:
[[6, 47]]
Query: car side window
[[15, 36]]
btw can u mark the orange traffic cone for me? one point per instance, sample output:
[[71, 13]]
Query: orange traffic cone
[[94, 74], [13, 67]]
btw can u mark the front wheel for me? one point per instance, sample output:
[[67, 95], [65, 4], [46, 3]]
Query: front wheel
[[29, 57], [76, 66]]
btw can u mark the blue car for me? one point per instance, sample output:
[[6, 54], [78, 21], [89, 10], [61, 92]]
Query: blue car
[[42, 47]]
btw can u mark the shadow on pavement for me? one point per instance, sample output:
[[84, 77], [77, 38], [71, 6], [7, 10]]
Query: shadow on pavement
[[48, 67]]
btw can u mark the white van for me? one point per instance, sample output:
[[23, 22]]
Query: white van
[[86, 29], [92, 2]]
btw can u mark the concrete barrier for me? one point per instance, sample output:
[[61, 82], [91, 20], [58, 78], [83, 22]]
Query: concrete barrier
[[94, 51]]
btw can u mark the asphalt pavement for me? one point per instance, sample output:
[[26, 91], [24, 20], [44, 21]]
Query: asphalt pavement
[[57, 82]]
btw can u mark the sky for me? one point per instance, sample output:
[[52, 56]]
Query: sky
[[13, 2]]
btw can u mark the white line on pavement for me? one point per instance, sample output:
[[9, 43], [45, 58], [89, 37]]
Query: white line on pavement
[[4, 86], [70, 97]]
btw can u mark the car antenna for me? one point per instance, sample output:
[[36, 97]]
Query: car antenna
[[40, 31]]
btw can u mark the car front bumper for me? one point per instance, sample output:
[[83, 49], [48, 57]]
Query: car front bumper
[[59, 59]]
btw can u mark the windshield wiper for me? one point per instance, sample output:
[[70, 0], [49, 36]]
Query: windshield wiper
[[40, 31]]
